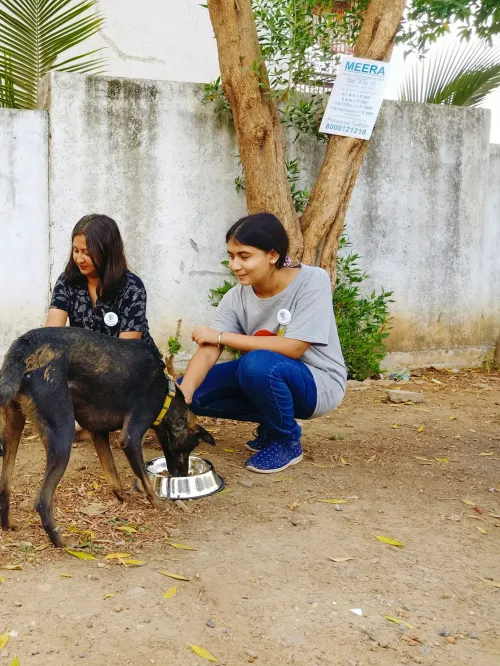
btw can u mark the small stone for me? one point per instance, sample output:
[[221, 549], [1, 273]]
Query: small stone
[[425, 650], [353, 662], [118, 609], [101, 565], [251, 653], [81, 655], [337, 507], [451, 640], [228, 532], [246, 483], [18, 604], [152, 661], [405, 396], [417, 660], [136, 591], [211, 624], [474, 635], [492, 490], [225, 631], [444, 632]]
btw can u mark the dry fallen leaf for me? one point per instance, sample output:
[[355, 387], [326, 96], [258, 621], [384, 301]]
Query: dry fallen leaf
[[344, 462], [334, 501], [492, 583], [339, 559], [490, 453], [44, 546], [133, 563], [93, 510], [228, 450], [395, 425], [172, 575], [79, 554], [127, 528], [421, 429], [481, 529], [11, 567], [3, 580], [4, 639], [181, 546], [388, 540], [15, 662], [423, 458], [201, 652], [398, 621], [443, 460], [116, 556], [453, 418], [468, 502], [225, 491], [108, 596], [65, 575], [170, 593], [95, 485]]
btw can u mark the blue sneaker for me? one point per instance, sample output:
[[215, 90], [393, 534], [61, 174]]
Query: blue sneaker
[[275, 458], [260, 442]]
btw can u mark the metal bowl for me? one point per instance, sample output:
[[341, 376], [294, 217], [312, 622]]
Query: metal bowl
[[202, 481]]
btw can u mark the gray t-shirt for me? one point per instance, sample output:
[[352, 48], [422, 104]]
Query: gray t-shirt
[[308, 298]]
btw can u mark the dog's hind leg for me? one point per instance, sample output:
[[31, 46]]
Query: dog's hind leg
[[101, 443], [55, 415], [13, 425]]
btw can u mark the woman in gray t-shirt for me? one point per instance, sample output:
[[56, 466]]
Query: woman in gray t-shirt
[[281, 318]]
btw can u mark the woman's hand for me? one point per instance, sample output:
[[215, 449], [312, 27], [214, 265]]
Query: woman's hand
[[186, 391], [204, 335]]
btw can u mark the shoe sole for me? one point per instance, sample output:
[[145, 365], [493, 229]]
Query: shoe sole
[[278, 469], [252, 449]]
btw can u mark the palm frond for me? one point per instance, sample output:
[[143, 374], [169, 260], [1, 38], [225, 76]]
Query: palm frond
[[33, 36], [462, 74]]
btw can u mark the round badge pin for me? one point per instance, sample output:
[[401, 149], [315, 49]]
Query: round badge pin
[[284, 317], [111, 319]]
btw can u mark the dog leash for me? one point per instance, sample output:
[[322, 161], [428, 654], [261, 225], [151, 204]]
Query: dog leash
[[170, 394]]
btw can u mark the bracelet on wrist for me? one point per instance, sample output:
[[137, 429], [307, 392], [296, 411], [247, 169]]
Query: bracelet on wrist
[[219, 340]]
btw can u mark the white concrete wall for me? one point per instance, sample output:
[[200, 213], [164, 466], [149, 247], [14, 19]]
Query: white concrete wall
[[424, 215], [169, 40], [24, 223], [417, 217], [150, 155]]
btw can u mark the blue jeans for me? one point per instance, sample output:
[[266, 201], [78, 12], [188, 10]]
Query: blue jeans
[[263, 387]]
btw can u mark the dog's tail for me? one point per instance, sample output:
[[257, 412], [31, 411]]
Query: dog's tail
[[12, 372]]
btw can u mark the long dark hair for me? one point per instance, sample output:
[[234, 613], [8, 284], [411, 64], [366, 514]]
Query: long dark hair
[[264, 231], [105, 248]]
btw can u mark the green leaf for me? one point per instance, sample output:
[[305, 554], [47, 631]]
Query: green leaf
[[33, 36], [461, 74], [79, 554]]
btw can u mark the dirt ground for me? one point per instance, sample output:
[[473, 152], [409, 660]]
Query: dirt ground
[[262, 585]]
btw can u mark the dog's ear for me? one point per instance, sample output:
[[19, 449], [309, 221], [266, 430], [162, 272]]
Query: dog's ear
[[204, 435]]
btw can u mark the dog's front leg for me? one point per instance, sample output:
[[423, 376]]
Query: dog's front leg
[[132, 445], [101, 443]]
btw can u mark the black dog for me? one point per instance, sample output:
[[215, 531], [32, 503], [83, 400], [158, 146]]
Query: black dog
[[57, 375]]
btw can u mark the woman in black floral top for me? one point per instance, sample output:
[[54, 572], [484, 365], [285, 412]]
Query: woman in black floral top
[[96, 290]]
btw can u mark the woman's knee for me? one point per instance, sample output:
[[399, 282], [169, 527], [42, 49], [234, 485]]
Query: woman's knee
[[256, 366]]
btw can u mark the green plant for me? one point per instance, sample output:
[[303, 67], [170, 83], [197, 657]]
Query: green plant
[[33, 35], [462, 74], [216, 295], [363, 321]]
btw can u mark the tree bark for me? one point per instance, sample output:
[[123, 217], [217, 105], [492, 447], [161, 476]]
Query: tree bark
[[259, 132], [323, 219]]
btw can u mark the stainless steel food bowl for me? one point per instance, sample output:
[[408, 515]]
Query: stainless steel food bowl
[[202, 481]]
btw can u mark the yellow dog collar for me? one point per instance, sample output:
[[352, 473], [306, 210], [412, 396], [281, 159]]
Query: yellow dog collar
[[170, 394]]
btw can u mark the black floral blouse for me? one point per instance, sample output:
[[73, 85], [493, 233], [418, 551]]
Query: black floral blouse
[[126, 313]]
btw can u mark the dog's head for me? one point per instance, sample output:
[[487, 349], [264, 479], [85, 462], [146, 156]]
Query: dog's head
[[179, 433]]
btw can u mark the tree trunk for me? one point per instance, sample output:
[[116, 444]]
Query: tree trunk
[[323, 219], [259, 132]]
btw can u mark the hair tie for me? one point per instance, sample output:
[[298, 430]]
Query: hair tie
[[287, 263]]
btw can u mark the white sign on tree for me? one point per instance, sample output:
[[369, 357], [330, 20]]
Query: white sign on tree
[[356, 97]]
